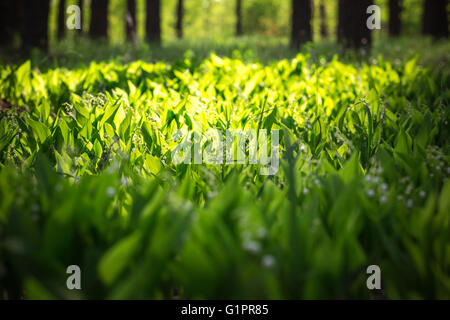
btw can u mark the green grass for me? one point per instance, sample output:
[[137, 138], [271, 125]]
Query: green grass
[[87, 178]]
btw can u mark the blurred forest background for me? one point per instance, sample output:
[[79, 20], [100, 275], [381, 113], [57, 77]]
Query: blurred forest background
[[269, 29]]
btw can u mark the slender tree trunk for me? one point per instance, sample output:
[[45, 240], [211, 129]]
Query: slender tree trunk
[[130, 19], [179, 23], [323, 20], [99, 19], [342, 19], [81, 5], [9, 25], [35, 25], [153, 22], [352, 24], [238, 18], [435, 19], [395, 22], [301, 23], [61, 19]]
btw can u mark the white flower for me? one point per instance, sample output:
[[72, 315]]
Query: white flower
[[384, 187], [409, 189], [305, 191], [383, 199], [110, 192], [212, 194], [124, 181], [422, 194], [262, 233], [410, 203], [268, 261], [370, 193], [252, 246]]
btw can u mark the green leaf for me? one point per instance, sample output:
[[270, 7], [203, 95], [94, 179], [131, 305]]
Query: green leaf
[[351, 169], [152, 164], [39, 129], [117, 258]]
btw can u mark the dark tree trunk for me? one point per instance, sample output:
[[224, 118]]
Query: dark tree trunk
[[179, 24], [130, 21], [435, 19], [35, 25], [323, 20], [98, 27], [81, 5], [153, 22], [9, 21], [352, 24], [61, 19], [238, 18], [301, 23], [395, 21]]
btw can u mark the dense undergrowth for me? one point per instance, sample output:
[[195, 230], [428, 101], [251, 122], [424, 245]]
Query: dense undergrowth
[[87, 178]]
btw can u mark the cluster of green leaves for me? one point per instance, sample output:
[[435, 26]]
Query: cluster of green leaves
[[86, 178]]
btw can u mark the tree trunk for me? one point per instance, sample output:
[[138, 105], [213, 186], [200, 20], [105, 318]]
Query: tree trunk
[[238, 18], [61, 19], [395, 22], [35, 25], [130, 21], [99, 19], [301, 23], [323, 20], [9, 21], [435, 19], [179, 24], [153, 22], [81, 5], [352, 24]]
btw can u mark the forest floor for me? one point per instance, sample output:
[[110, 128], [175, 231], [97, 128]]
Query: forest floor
[[266, 50]]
